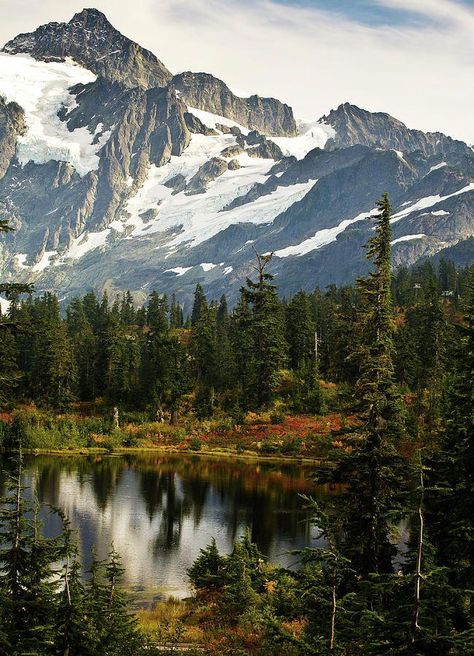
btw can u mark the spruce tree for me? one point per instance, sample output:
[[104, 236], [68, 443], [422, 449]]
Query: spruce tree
[[269, 346], [374, 471], [199, 304]]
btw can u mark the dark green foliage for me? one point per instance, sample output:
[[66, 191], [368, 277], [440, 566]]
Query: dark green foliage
[[264, 335], [46, 609], [206, 571]]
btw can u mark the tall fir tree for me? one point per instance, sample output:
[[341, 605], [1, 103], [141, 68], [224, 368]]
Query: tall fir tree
[[267, 333], [374, 471]]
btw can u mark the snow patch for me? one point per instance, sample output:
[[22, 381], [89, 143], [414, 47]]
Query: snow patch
[[439, 213], [207, 266], [42, 89], [21, 260], [199, 217], [310, 136], [437, 166], [87, 241], [429, 201], [44, 262], [228, 270], [322, 237], [211, 120], [4, 305], [407, 238], [400, 156], [179, 271]]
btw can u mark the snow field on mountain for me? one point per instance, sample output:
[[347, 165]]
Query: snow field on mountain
[[429, 201], [42, 89], [200, 216], [4, 305], [211, 120], [310, 135], [328, 235], [407, 238], [322, 237]]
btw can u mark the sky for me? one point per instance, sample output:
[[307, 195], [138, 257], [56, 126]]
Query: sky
[[411, 58]]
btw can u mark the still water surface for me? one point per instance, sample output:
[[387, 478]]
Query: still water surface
[[158, 511]]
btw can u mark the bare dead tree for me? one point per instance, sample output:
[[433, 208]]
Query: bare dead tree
[[415, 627]]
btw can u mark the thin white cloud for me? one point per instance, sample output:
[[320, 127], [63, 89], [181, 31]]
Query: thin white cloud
[[310, 58]]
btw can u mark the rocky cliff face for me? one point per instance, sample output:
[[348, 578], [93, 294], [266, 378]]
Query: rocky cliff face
[[131, 179], [91, 40], [358, 126], [206, 92], [12, 124]]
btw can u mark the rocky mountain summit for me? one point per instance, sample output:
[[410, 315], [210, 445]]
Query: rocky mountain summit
[[206, 92], [91, 41], [118, 175]]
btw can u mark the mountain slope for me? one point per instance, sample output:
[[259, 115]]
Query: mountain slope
[[119, 176], [91, 41]]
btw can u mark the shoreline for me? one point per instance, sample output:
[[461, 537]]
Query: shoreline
[[220, 454]]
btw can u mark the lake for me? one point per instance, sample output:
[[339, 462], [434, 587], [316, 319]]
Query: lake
[[159, 510]]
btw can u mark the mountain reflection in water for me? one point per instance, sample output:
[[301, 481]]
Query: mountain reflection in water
[[158, 511]]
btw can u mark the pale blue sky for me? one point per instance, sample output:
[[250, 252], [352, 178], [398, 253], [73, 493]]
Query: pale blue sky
[[411, 58]]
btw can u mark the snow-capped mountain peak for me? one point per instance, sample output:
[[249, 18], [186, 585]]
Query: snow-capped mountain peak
[[116, 174]]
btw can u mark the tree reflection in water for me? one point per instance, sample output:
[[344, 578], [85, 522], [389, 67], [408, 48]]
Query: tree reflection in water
[[160, 510]]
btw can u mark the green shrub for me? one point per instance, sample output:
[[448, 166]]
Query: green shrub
[[292, 447], [195, 444], [277, 417], [268, 447], [115, 440]]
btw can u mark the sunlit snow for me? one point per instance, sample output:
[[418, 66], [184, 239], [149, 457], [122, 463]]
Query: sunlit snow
[[322, 237], [21, 260], [179, 271], [429, 201], [4, 305], [86, 242], [199, 217], [212, 120], [41, 89], [437, 166], [207, 266], [44, 262], [310, 136], [407, 238]]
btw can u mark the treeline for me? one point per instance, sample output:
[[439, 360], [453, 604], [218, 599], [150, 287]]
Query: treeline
[[151, 357], [393, 573]]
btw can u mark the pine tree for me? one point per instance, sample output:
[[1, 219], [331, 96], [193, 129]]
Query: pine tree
[[204, 351], [84, 345], [374, 471], [74, 633], [27, 584], [451, 492], [267, 332], [199, 305]]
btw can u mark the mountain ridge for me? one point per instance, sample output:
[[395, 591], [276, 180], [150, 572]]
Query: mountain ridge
[[114, 184]]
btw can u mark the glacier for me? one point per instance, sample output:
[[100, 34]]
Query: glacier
[[42, 90]]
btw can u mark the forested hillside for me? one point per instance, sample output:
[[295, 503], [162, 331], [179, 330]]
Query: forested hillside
[[391, 357]]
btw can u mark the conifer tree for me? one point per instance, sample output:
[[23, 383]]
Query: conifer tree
[[373, 470], [27, 585], [199, 305], [267, 332]]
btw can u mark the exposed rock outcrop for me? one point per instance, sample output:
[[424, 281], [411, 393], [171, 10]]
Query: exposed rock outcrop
[[206, 174], [12, 124], [206, 92], [92, 41], [358, 126]]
